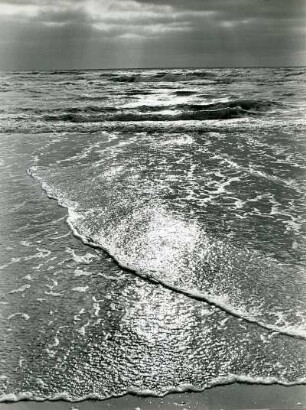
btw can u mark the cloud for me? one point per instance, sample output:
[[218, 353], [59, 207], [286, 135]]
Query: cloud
[[106, 33]]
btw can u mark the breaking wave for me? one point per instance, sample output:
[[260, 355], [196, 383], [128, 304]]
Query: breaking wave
[[182, 388], [152, 242], [166, 77], [178, 112]]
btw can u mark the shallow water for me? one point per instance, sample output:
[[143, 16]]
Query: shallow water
[[194, 180]]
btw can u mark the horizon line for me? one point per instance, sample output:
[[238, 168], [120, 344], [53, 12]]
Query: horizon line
[[149, 68]]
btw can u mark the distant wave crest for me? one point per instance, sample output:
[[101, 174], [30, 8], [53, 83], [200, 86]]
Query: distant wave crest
[[178, 112]]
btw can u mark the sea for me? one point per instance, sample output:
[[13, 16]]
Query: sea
[[152, 231]]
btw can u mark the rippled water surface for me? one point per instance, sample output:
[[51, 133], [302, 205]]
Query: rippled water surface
[[177, 258]]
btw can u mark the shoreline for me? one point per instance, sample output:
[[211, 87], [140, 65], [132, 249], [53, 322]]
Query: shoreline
[[236, 396], [203, 297]]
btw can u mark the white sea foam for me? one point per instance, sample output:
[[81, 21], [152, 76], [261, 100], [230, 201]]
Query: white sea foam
[[221, 301], [82, 330], [54, 284], [41, 383], [23, 315], [80, 289], [78, 316], [54, 238], [179, 140], [22, 288], [96, 307], [181, 388], [86, 259], [56, 294], [56, 342], [109, 276], [42, 253], [113, 172], [50, 353], [80, 272], [25, 243]]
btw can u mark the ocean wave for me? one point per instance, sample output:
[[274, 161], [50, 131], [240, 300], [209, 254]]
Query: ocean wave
[[179, 112], [162, 392], [92, 98], [166, 260], [184, 93], [294, 73], [245, 105], [166, 77], [138, 92], [151, 242]]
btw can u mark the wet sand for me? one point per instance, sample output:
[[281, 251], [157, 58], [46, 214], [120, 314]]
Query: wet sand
[[230, 397]]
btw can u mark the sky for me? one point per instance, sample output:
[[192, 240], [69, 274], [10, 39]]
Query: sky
[[94, 34]]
